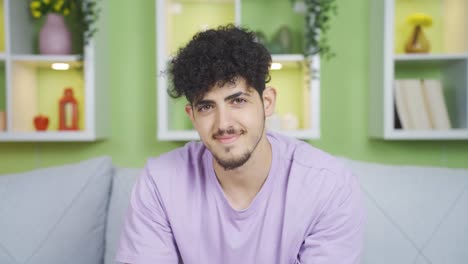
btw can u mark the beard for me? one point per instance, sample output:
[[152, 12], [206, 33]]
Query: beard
[[233, 163]]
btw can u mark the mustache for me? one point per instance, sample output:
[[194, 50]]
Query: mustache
[[228, 131]]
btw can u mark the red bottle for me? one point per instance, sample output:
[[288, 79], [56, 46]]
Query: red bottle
[[68, 111]]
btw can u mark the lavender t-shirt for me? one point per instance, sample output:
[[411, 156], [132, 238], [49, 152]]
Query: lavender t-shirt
[[309, 210]]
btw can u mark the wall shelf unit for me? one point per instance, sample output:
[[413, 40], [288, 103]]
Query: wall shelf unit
[[297, 82], [31, 87], [446, 62]]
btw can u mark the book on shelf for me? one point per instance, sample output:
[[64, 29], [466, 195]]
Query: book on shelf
[[436, 106], [420, 104], [411, 105], [396, 120], [401, 112]]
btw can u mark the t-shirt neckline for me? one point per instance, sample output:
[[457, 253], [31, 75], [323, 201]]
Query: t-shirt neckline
[[259, 198]]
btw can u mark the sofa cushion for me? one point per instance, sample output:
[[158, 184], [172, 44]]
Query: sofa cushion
[[55, 215], [415, 214], [122, 185]]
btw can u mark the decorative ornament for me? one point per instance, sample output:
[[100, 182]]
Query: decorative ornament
[[289, 122], [68, 111], [418, 42], [284, 38], [54, 37], [41, 122], [273, 122]]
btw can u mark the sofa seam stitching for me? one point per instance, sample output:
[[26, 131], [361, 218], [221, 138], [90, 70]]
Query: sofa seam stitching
[[42, 243]]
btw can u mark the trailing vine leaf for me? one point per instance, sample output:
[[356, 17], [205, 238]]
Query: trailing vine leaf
[[88, 14], [318, 14]]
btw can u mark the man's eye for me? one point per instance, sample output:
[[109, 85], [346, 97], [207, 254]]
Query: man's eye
[[204, 108], [239, 101]]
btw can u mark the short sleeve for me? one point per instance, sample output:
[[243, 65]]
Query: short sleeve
[[146, 236], [337, 237]]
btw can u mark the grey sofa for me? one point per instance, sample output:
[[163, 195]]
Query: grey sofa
[[73, 213]]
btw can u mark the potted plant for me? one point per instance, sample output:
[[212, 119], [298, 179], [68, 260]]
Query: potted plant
[[54, 36], [318, 14]]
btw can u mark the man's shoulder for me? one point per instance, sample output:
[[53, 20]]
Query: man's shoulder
[[190, 153], [312, 170], [303, 154], [177, 162]]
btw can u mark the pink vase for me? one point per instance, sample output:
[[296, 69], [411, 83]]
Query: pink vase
[[54, 37]]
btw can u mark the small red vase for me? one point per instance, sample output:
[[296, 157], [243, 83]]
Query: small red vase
[[41, 122]]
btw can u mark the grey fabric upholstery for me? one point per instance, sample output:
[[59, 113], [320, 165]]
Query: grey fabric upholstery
[[55, 215], [414, 214], [72, 214]]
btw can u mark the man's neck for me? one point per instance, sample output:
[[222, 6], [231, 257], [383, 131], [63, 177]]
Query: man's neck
[[242, 184]]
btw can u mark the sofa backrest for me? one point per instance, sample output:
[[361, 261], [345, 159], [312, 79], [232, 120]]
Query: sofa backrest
[[122, 184], [55, 215], [415, 214]]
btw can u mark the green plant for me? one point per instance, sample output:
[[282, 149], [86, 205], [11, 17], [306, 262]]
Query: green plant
[[318, 14], [84, 13]]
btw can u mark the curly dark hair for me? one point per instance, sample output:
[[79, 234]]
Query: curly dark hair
[[216, 57]]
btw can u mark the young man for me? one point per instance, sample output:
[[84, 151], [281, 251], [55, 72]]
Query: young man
[[241, 195]]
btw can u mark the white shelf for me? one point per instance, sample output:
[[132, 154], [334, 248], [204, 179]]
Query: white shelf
[[448, 62], [187, 135], [301, 133], [2, 56], [47, 136], [292, 64], [430, 57], [275, 58], [289, 61], [26, 75], [47, 58], [178, 135], [287, 57], [453, 134], [44, 61]]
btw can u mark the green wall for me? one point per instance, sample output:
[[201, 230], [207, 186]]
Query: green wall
[[132, 95]]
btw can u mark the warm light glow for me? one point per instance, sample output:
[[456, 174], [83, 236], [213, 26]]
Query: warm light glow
[[276, 66], [60, 66], [176, 8]]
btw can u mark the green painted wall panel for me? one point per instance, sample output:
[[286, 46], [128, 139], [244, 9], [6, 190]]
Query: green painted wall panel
[[344, 101], [178, 118]]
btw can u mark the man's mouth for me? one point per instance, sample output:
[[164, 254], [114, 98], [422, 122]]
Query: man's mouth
[[227, 138]]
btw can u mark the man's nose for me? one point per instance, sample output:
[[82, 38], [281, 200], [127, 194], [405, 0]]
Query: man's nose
[[224, 118]]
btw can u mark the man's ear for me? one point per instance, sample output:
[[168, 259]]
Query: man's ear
[[189, 111], [269, 100]]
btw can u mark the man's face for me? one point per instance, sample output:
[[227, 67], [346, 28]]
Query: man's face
[[231, 121]]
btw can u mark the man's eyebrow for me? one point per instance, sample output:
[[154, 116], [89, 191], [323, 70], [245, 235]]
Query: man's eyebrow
[[203, 102], [232, 96]]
